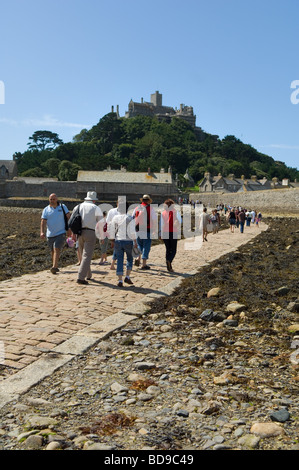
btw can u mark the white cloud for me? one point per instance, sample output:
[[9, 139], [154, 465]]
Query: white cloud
[[45, 121], [282, 146], [10, 122], [50, 121]]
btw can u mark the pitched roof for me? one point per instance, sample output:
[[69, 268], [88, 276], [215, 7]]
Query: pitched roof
[[9, 164], [118, 176]]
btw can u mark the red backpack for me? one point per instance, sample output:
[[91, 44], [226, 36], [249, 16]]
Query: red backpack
[[143, 217]]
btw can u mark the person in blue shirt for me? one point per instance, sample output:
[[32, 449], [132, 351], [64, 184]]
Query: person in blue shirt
[[53, 228]]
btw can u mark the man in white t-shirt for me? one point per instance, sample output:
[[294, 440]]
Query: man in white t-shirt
[[122, 233], [110, 215], [90, 215]]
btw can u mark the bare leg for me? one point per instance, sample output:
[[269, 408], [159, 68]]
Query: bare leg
[[55, 257]]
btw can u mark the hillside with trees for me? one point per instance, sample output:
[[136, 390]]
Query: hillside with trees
[[143, 142]]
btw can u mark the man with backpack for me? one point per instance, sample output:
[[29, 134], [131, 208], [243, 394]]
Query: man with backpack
[[90, 214], [54, 227]]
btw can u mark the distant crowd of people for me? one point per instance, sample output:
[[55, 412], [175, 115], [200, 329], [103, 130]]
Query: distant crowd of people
[[239, 217], [128, 232]]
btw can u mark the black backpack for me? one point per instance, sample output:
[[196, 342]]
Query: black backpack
[[75, 222], [66, 224]]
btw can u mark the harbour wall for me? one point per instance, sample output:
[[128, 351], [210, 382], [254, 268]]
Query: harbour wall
[[272, 202]]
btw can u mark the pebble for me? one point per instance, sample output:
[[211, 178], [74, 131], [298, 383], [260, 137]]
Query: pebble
[[267, 429], [213, 380], [281, 416]]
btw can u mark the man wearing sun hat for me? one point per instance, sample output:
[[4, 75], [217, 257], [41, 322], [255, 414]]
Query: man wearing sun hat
[[145, 220], [90, 215]]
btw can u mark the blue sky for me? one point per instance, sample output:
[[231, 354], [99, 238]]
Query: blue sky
[[64, 63]]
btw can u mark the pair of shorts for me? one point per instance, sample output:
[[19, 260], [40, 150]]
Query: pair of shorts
[[57, 242], [104, 245], [144, 245]]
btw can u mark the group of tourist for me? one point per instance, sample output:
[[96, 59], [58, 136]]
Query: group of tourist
[[130, 235], [239, 217]]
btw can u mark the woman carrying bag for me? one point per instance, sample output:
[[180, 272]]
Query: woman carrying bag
[[170, 230]]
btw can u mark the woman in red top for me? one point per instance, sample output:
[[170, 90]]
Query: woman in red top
[[170, 224]]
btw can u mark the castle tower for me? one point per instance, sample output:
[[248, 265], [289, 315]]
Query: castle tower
[[156, 99]]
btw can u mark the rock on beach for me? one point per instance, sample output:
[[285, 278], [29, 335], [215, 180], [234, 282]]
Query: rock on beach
[[198, 385], [265, 430]]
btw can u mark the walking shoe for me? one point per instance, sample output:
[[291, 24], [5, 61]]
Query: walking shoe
[[169, 267], [80, 281], [145, 267], [128, 280], [54, 270], [120, 284]]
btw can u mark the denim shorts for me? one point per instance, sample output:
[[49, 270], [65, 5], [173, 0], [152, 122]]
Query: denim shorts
[[144, 245], [56, 242], [121, 248]]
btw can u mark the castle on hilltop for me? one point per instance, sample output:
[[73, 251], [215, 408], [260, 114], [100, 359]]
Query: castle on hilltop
[[154, 107]]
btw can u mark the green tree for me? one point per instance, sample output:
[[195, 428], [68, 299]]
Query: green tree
[[83, 136], [107, 132], [51, 167], [36, 172], [68, 171], [44, 140]]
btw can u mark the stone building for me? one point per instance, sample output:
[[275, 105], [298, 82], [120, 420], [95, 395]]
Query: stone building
[[232, 184], [8, 169], [112, 183], [156, 108]]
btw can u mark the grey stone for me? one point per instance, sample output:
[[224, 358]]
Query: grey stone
[[144, 365], [210, 316], [281, 415], [249, 441], [183, 413], [232, 323], [282, 290], [33, 442]]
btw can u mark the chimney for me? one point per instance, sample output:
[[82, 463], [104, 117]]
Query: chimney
[[254, 177], [148, 171]]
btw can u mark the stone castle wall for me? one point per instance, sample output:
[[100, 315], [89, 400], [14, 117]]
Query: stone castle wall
[[271, 202], [107, 191]]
